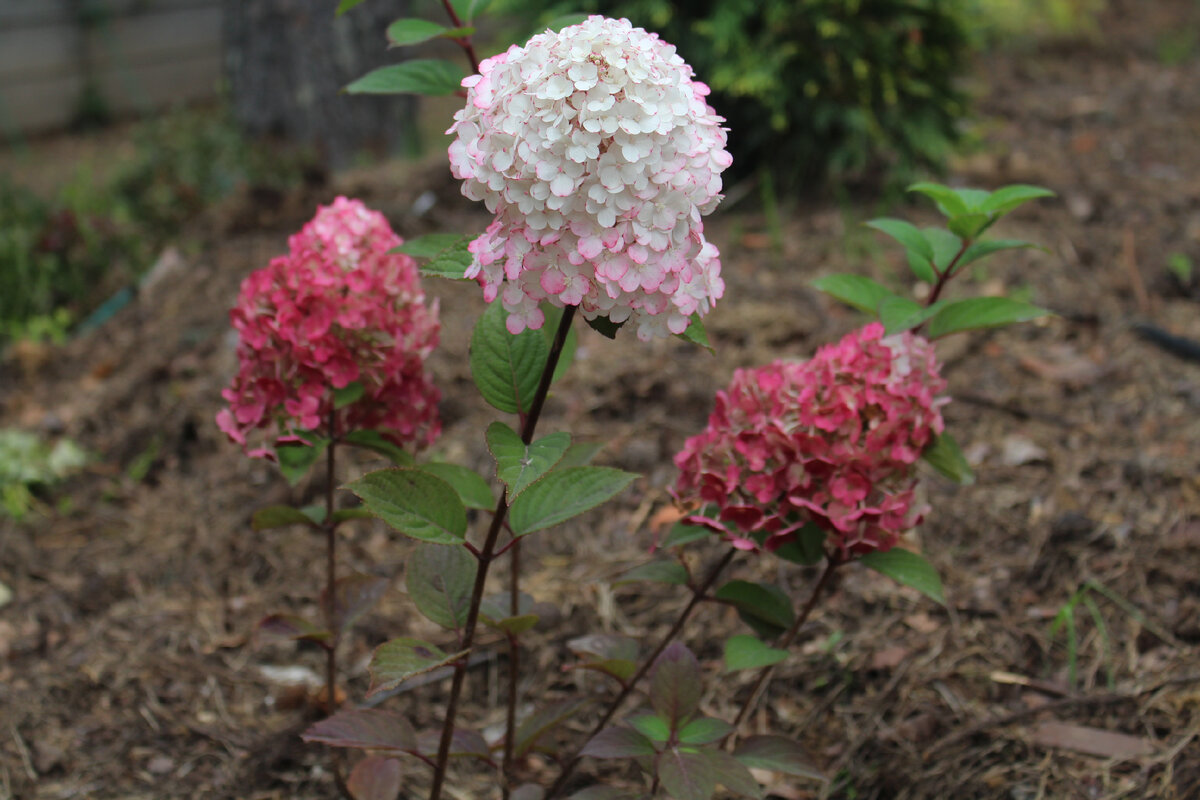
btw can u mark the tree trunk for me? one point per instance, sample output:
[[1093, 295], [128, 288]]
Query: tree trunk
[[286, 62]]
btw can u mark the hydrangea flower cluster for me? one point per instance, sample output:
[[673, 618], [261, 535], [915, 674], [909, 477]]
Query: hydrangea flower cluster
[[598, 154], [831, 441], [337, 309]]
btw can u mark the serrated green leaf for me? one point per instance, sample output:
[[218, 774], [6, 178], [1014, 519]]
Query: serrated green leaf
[[616, 655], [563, 494], [580, 454], [704, 730], [439, 580], [944, 455], [506, 368], [976, 313], [696, 334], [549, 329], [426, 76], [655, 572], [747, 652], [985, 248], [681, 534], [733, 774], [909, 569], [1008, 198], [542, 721], [764, 607], [398, 660], [853, 290], [472, 487], [653, 727], [899, 314], [906, 233], [687, 774], [807, 548], [618, 743], [374, 441], [968, 226], [675, 685], [410, 31], [429, 245], [520, 465], [350, 393], [296, 459], [346, 5], [947, 200], [449, 262], [279, 517], [414, 502], [777, 754], [467, 10], [604, 326]]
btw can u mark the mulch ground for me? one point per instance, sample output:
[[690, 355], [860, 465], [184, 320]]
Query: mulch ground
[[129, 663]]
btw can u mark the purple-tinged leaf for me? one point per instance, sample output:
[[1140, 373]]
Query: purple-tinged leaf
[[675, 684], [777, 754], [530, 791], [764, 607], [398, 660], [687, 773], [542, 721], [703, 731], [366, 728], [464, 744], [279, 517], [732, 774], [375, 778], [618, 743], [439, 581], [353, 596], [291, 626]]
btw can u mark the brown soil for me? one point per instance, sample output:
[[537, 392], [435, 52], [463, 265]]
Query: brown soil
[[129, 666]]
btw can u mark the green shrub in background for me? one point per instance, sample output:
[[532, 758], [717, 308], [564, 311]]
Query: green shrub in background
[[815, 89], [27, 462], [1005, 20]]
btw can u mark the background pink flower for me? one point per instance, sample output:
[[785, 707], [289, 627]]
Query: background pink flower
[[832, 440], [337, 309], [598, 154]]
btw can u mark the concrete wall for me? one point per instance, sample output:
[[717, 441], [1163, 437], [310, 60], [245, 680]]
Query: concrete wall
[[139, 55]]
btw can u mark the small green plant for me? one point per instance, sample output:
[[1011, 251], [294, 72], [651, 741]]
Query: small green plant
[[27, 462], [1179, 265]]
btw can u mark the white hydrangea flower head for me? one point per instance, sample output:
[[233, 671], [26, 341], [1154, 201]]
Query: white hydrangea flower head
[[598, 154]]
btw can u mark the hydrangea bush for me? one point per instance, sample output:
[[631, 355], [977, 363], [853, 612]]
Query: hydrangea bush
[[597, 151]]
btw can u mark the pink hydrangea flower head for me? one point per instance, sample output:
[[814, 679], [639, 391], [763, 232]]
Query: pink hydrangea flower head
[[598, 154], [338, 309], [830, 441]]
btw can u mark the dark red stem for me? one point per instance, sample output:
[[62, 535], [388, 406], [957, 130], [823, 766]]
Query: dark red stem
[[464, 41]]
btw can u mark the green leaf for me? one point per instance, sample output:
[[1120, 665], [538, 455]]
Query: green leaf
[[777, 754], [375, 778], [764, 607], [704, 730], [415, 503], [467, 10], [549, 329], [580, 454], [653, 727], [618, 743], [747, 652], [968, 226], [506, 368], [429, 245], [350, 393], [296, 459], [985, 248], [292, 626], [404, 32], [496, 612], [448, 253], [615, 655], [905, 233], [279, 517], [696, 334], [565, 21], [604, 326], [947, 200], [973, 199], [398, 660], [976, 313], [920, 267], [733, 775], [472, 487], [807, 548], [563, 494], [660, 571], [353, 596], [681, 534], [944, 455], [427, 76], [899, 314], [366, 729], [519, 465], [1008, 198], [675, 685], [853, 290], [687, 774], [542, 721], [945, 246], [374, 441], [346, 5], [345, 514], [908, 568], [439, 580]]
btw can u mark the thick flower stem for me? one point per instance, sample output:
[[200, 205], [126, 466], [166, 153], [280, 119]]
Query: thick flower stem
[[698, 595], [764, 675], [486, 553]]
